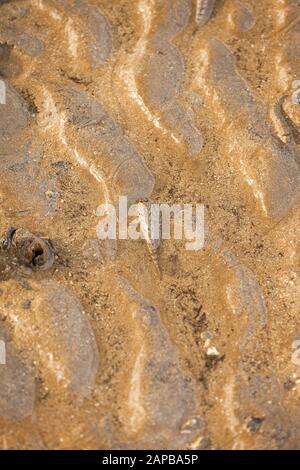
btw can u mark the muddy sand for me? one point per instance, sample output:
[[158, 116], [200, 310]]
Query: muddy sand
[[135, 344]]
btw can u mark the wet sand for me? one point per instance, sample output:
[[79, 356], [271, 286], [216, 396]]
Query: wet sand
[[125, 344]]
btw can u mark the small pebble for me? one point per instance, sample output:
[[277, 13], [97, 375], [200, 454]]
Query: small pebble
[[212, 351]]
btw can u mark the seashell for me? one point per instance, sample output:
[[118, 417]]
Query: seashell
[[204, 10]]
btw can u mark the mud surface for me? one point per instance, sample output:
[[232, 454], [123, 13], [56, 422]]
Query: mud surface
[[123, 344]]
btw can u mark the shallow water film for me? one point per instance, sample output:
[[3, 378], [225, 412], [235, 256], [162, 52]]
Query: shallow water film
[[116, 332]]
